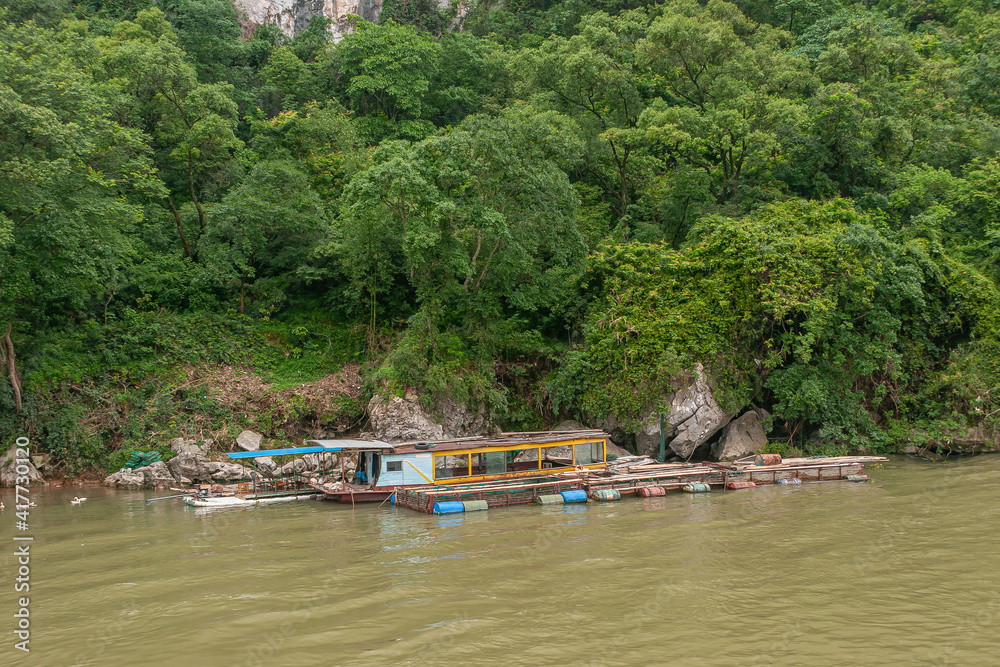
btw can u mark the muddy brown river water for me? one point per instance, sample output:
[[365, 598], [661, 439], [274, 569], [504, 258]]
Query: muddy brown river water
[[904, 570]]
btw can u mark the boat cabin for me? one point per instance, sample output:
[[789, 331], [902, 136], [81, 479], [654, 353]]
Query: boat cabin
[[462, 460]]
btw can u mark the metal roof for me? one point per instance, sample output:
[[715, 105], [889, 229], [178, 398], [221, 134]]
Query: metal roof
[[275, 452], [507, 440], [337, 445]]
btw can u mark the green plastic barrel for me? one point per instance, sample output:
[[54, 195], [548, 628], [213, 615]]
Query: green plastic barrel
[[697, 487], [554, 499], [475, 505], [606, 494]]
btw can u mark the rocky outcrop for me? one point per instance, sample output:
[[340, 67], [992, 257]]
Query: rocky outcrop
[[293, 16], [191, 466], [153, 476], [404, 420], [694, 415], [125, 479], [9, 474], [692, 418], [249, 441], [741, 437], [156, 476]]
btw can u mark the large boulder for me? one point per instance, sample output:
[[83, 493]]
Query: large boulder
[[190, 446], [156, 476], [741, 437], [403, 419], [191, 465], [226, 472], [266, 465], [126, 479], [692, 418], [695, 415], [8, 470], [249, 441]]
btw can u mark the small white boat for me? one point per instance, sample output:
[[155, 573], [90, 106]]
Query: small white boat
[[235, 501]]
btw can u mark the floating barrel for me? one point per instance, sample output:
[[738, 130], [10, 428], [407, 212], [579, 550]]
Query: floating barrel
[[767, 460], [574, 496], [606, 494], [449, 507], [696, 487], [475, 505], [856, 478], [554, 499], [652, 491], [740, 485], [790, 480]]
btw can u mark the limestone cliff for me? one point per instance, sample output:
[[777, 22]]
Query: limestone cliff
[[293, 16]]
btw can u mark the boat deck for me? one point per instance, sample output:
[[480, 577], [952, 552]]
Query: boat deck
[[630, 479]]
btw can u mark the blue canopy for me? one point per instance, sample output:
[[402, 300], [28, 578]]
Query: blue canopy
[[275, 452]]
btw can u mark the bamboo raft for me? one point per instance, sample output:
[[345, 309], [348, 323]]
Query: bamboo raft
[[630, 479]]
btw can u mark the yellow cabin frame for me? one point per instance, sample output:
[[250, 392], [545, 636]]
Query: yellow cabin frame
[[519, 447]]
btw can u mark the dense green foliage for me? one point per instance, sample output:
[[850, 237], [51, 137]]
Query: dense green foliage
[[550, 208]]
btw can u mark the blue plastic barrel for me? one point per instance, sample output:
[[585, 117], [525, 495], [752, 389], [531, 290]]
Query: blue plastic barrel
[[450, 507], [575, 496]]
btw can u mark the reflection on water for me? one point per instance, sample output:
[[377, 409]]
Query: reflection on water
[[904, 570]]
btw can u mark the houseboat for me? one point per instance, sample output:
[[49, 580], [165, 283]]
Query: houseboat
[[382, 468]]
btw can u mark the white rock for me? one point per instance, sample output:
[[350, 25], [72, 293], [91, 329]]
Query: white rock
[[249, 441]]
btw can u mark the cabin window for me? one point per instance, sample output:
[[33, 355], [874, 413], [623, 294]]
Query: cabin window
[[394, 466], [557, 457], [451, 466], [589, 452], [490, 463]]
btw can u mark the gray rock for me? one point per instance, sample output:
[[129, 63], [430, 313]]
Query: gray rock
[[191, 465], [293, 16], [695, 415], [266, 464], [569, 425], [8, 470], [156, 476], [125, 479], [249, 441], [225, 472], [189, 446], [404, 420], [401, 420], [741, 437]]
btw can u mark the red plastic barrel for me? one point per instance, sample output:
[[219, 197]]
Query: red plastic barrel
[[767, 460], [652, 491], [740, 485]]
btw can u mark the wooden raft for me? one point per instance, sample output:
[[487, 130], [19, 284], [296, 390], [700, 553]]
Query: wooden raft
[[627, 480]]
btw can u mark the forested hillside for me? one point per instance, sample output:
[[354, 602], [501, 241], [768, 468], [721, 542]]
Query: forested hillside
[[554, 211]]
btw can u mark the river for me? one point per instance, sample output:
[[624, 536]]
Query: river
[[904, 570]]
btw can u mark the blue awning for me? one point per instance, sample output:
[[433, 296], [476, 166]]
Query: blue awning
[[275, 452]]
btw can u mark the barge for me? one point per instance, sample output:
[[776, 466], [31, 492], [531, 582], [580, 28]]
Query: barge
[[641, 480]]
